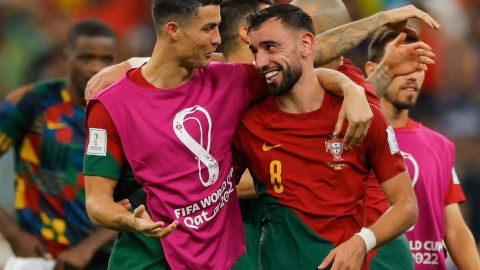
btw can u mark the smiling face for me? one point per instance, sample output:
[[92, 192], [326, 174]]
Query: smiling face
[[199, 37], [403, 91], [277, 57]]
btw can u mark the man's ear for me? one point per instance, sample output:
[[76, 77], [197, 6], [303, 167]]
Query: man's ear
[[306, 44], [370, 67], [172, 29], [243, 33]]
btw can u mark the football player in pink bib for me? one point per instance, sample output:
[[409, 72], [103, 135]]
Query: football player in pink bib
[[430, 159]]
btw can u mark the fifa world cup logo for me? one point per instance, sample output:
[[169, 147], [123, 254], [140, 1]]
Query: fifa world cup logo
[[201, 153]]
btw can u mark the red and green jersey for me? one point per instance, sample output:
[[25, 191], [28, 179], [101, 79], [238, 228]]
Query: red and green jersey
[[297, 163], [48, 133]]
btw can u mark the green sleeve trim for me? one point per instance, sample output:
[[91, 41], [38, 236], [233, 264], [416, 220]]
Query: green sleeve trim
[[104, 166]]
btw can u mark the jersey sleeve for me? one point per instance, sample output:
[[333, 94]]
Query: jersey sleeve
[[104, 154], [258, 86], [16, 116], [383, 153], [455, 193], [355, 74]]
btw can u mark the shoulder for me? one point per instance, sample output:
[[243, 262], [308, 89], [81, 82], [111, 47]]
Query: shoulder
[[227, 70], [379, 122], [29, 95], [436, 137], [117, 88], [259, 113]]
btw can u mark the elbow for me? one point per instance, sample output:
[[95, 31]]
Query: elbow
[[92, 211], [411, 211]]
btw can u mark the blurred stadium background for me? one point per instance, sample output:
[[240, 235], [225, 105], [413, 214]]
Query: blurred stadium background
[[32, 33]]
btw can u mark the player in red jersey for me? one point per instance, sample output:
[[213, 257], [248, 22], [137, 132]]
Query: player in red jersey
[[330, 14], [310, 185]]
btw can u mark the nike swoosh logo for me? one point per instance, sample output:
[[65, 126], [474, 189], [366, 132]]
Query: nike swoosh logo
[[266, 148]]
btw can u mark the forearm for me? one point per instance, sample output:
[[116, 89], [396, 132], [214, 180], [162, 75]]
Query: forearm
[[380, 79], [110, 215], [459, 240], [395, 221], [335, 82], [9, 228], [97, 240], [338, 41], [403, 212], [462, 249], [102, 209]]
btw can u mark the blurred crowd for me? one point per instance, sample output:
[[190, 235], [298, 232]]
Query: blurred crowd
[[33, 31]]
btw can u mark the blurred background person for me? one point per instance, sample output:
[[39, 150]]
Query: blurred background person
[[45, 124]]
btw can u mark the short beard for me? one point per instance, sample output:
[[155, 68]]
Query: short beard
[[290, 78], [401, 105]]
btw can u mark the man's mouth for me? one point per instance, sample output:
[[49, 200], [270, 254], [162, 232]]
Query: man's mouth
[[271, 75], [410, 89]]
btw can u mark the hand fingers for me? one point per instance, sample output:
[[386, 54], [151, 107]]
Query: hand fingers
[[139, 211], [147, 228], [163, 232], [328, 260], [428, 20], [337, 265], [399, 39], [421, 45], [339, 124], [125, 203], [351, 129], [426, 60], [91, 84], [426, 53], [358, 135]]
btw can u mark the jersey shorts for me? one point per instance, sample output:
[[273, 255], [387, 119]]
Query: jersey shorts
[[394, 255]]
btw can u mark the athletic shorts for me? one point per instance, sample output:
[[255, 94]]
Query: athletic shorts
[[253, 230], [287, 243], [135, 251], [394, 255]]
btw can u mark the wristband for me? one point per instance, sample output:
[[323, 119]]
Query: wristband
[[136, 62], [368, 238]]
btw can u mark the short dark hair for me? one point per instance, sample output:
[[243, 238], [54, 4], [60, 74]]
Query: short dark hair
[[376, 48], [89, 28], [177, 10], [233, 14], [290, 16]]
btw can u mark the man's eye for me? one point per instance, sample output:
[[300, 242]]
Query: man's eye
[[269, 48], [209, 28]]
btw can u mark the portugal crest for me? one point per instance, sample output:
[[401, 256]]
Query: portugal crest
[[336, 147]]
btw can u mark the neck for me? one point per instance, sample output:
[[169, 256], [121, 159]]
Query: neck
[[240, 56], [305, 96], [397, 117], [77, 99], [164, 70]]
